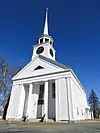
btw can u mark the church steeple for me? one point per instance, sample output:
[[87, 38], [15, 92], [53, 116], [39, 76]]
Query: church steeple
[[45, 38], [44, 45], [46, 23]]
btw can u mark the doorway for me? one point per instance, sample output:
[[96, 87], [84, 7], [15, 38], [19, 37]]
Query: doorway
[[51, 100], [40, 102]]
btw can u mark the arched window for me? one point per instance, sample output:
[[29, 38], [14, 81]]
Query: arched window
[[46, 40], [41, 40]]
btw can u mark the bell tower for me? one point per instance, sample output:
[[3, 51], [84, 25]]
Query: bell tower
[[44, 44]]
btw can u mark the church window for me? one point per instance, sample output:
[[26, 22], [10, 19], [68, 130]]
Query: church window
[[46, 40], [82, 112], [51, 52], [39, 67], [53, 90], [77, 111], [41, 40], [40, 50], [41, 95]]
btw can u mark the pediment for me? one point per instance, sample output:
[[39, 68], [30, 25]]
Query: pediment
[[39, 66]]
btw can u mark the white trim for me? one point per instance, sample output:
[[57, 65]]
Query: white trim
[[75, 77], [36, 58], [43, 77], [44, 44], [25, 67]]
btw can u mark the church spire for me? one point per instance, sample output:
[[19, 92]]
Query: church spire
[[44, 45], [46, 23]]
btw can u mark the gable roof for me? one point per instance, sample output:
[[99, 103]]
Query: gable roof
[[53, 66], [66, 68], [54, 62]]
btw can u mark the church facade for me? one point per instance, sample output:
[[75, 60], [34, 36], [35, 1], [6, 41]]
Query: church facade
[[45, 87]]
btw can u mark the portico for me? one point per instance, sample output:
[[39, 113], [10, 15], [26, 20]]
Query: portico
[[38, 98]]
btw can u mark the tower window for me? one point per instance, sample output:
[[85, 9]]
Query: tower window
[[50, 42], [40, 50], [46, 40], [51, 52], [41, 40]]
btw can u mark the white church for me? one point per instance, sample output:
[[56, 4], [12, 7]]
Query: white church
[[45, 87]]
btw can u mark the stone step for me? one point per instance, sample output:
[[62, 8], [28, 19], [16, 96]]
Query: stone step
[[34, 120], [38, 120]]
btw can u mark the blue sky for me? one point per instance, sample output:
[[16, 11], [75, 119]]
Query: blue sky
[[74, 25]]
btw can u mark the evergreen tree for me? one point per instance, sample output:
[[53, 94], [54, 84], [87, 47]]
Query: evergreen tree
[[94, 104]]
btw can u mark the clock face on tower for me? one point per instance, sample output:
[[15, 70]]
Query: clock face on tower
[[51, 52], [40, 50]]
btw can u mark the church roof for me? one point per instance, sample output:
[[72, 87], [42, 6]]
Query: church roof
[[54, 62]]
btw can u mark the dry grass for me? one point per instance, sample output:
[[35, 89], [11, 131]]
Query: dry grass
[[90, 121], [25, 123], [34, 123], [3, 121], [45, 123]]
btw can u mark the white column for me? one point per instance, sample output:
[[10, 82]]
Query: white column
[[12, 111], [21, 103], [46, 100], [69, 99], [29, 100], [57, 99], [12, 105]]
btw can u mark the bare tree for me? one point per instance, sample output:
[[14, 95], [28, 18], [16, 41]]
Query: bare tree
[[6, 74], [11, 73], [3, 79]]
